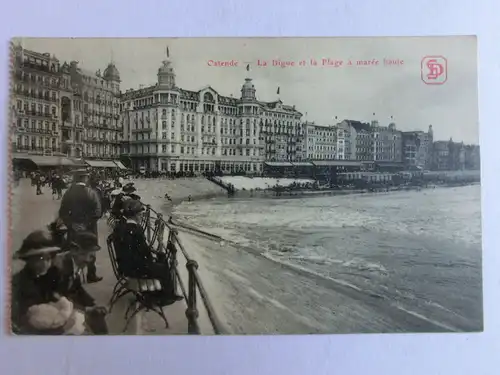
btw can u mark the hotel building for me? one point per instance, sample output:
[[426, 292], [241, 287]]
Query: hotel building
[[320, 141], [417, 149], [35, 102], [91, 112], [167, 128]]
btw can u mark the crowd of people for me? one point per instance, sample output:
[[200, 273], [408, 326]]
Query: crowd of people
[[49, 294]]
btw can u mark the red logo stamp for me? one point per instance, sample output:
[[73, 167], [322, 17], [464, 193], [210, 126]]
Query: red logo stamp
[[434, 70]]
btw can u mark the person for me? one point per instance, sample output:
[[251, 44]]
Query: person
[[127, 192], [82, 250], [135, 257], [80, 210], [38, 183], [58, 231], [58, 186], [37, 282]]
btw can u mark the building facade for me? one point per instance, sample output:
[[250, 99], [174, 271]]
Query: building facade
[[345, 149], [35, 102], [91, 112], [441, 156], [362, 140], [472, 157], [453, 156], [417, 149], [320, 142], [60, 109], [167, 128], [387, 143]]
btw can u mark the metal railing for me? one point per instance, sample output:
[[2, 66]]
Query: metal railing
[[155, 227]]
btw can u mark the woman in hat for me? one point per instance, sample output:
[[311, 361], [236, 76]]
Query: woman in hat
[[37, 283], [135, 255], [129, 191]]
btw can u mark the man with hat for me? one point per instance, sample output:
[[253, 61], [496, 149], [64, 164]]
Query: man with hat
[[80, 210], [37, 283], [81, 251]]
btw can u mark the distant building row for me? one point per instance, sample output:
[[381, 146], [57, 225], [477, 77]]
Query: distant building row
[[60, 108], [355, 140]]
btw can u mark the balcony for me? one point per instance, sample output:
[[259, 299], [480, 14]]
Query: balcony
[[27, 94], [34, 131], [146, 129], [37, 114], [34, 149]]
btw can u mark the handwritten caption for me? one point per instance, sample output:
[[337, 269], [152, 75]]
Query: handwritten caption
[[322, 62]]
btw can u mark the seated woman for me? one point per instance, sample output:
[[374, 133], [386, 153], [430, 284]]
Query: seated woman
[[135, 257], [37, 283]]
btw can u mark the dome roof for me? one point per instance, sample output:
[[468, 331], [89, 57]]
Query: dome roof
[[166, 68], [111, 73], [248, 84]]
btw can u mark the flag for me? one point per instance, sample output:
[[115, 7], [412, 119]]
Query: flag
[[168, 53], [248, 67], [278, 92]]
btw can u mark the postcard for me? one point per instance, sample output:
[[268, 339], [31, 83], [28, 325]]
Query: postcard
[[245, 186]]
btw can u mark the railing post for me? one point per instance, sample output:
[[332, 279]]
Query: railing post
[[173, 255], [192, 311], [148, 225], [160, 229]]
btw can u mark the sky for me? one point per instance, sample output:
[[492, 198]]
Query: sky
[[321, 92]]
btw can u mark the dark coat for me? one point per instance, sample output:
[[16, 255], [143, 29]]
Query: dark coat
[[29, 290], [132, 250], [71, 287], [80, 205]]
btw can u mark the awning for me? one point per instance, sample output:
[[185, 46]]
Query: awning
[[337, 163], [389, 163], [120, 165], [302, 164], [101, 163], [50, 161], [278, 164]]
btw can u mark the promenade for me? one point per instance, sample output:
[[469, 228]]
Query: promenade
[[31, 212]]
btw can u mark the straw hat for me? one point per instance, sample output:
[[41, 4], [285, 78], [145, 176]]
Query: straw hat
[[58, 317]]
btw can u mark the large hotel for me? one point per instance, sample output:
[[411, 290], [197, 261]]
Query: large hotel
[[167, 128]]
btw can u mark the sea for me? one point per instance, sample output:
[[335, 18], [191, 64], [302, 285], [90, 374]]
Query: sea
[[406, 261]]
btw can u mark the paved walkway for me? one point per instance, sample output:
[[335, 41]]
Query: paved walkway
[[31, 212]]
